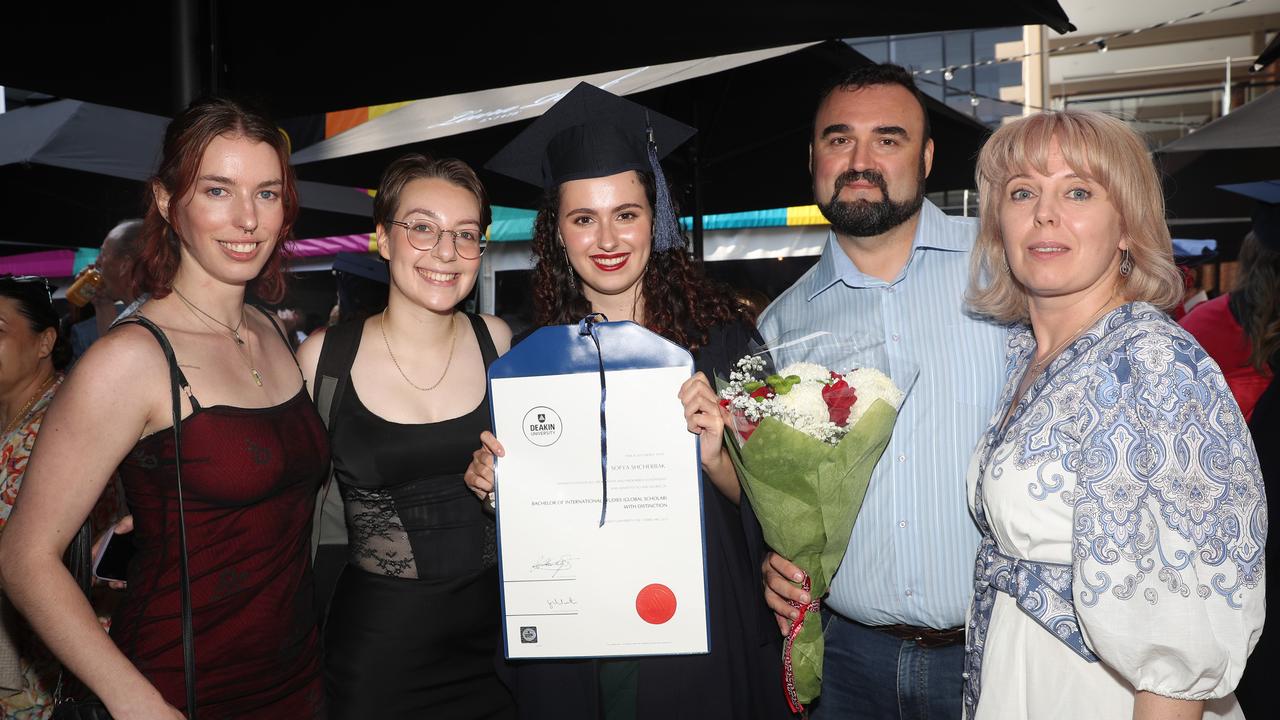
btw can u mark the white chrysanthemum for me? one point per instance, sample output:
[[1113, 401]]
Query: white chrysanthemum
[[870, 384], [805, 400], [807, 372]]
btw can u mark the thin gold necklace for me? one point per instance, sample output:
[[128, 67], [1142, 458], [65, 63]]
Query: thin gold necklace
[[453, 338], [242, 348], [1033, 370], [235, 331], [31, 402], [1039, 365]]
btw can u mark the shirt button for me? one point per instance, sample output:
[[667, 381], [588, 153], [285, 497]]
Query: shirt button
[[908, 593], [902, 523], [902, 458], [888, 288], [895, 337]]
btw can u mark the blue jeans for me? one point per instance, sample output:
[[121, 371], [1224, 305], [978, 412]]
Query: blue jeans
[[870, 674]]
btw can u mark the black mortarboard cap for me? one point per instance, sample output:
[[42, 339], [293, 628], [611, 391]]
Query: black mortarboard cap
[[589, 133], [1266, 216], [593, 133]]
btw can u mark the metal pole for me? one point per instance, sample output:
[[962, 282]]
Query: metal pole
[[186, 66], [488, 284], [215, 49], [1226, 91], [697, 188]]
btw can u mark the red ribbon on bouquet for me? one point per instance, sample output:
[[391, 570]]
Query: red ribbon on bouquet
[[788, 674]]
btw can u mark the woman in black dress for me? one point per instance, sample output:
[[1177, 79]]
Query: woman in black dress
[[413, 622], [606, 241]]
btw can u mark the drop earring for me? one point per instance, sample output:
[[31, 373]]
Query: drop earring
[[1126, 263], [568, 266]]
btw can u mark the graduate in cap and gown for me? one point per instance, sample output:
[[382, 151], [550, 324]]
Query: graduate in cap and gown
[[606, 240]]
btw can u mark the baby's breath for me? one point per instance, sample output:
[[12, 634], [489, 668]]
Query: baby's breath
[[799, 412]]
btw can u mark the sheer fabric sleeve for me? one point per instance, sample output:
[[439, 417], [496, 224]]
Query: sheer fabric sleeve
[[1169, 518]]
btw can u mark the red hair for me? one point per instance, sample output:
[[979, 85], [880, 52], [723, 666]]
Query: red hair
[[185, 141]]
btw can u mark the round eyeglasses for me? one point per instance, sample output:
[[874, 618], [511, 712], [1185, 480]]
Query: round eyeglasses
[[425, 235]]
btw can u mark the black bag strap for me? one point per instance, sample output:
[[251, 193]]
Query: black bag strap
[[333, 370], [177, 380], [333, 375]]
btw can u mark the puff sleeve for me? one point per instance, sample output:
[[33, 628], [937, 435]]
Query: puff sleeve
[[1169, 519]]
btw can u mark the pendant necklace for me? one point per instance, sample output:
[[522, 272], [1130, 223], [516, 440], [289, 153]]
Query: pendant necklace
[[241, 346], [235, 331]]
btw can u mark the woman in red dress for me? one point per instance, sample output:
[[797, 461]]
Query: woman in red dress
[[253, 452], [1241, 330]]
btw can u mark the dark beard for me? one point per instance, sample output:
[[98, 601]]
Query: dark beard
[[864, 218]]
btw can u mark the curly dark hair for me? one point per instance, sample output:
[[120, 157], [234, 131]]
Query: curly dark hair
[[1255, 302], [680, 302]]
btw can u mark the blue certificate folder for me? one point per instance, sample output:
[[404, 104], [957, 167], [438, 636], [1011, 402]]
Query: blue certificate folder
[[599, 496]]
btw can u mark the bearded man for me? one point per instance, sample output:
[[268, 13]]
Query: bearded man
[[891, 279]]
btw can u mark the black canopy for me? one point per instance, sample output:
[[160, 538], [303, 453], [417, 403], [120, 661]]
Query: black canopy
[[70, 170], [1241, 147], [298, 58], [751, 152], [1269, 55]]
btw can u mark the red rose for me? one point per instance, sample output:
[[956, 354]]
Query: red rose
[[744, 426], [763, 391], [839, 398]]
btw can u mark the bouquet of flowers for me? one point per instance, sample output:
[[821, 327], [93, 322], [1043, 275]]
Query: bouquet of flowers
[[806, 439]]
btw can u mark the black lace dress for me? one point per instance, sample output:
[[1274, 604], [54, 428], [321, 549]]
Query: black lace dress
[[413, 625]]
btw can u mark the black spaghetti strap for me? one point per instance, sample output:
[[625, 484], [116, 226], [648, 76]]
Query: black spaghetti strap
[[280, 331], [168, 351], [176, 380], [487, 349]]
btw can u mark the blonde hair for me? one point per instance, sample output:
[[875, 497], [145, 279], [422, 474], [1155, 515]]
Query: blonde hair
[[1096, 146]]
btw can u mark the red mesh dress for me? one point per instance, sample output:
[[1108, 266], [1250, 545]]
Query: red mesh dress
[[249, 480]]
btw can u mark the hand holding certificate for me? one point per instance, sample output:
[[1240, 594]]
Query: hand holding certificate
[[599, 496]]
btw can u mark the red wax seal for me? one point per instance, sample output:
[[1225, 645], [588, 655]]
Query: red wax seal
[[655, 604]]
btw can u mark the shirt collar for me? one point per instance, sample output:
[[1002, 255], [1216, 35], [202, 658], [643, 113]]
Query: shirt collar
[[835, 266]]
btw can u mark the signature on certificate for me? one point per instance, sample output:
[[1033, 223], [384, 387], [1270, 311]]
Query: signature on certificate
[[555, 566], [561, 603]]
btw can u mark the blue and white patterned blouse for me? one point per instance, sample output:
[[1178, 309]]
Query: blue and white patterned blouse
[[1128, 463]]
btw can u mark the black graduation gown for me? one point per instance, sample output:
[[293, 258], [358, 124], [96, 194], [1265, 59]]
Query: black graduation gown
[[1255, 692], [741, 677]]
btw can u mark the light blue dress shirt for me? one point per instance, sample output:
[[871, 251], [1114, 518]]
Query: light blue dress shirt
[[912, 550]]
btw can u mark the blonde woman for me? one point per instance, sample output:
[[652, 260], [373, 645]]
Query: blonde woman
[[1117, 490]]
